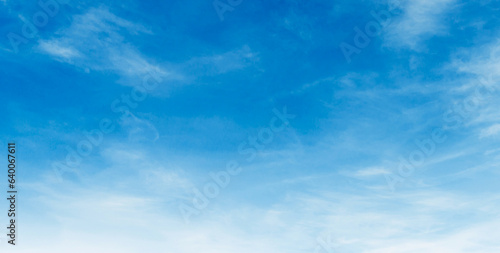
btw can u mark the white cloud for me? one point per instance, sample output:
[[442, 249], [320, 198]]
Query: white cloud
[[372, 171], [482, 62], [53, 48], [139, 129], [421, 19], [372, 221], [96, 40], [99, 40], [490, 131], [481, 69], [221, 63]]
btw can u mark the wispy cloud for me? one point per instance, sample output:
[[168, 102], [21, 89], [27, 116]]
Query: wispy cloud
[[490, 131], [322, 177], [420, 20], [96, 41], [221, 63], [373, 171]]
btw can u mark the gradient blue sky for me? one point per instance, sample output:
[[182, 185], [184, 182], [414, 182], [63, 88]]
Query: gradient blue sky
[[323, 178]]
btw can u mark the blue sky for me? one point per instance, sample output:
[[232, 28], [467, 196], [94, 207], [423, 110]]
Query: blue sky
[[390, 148]]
